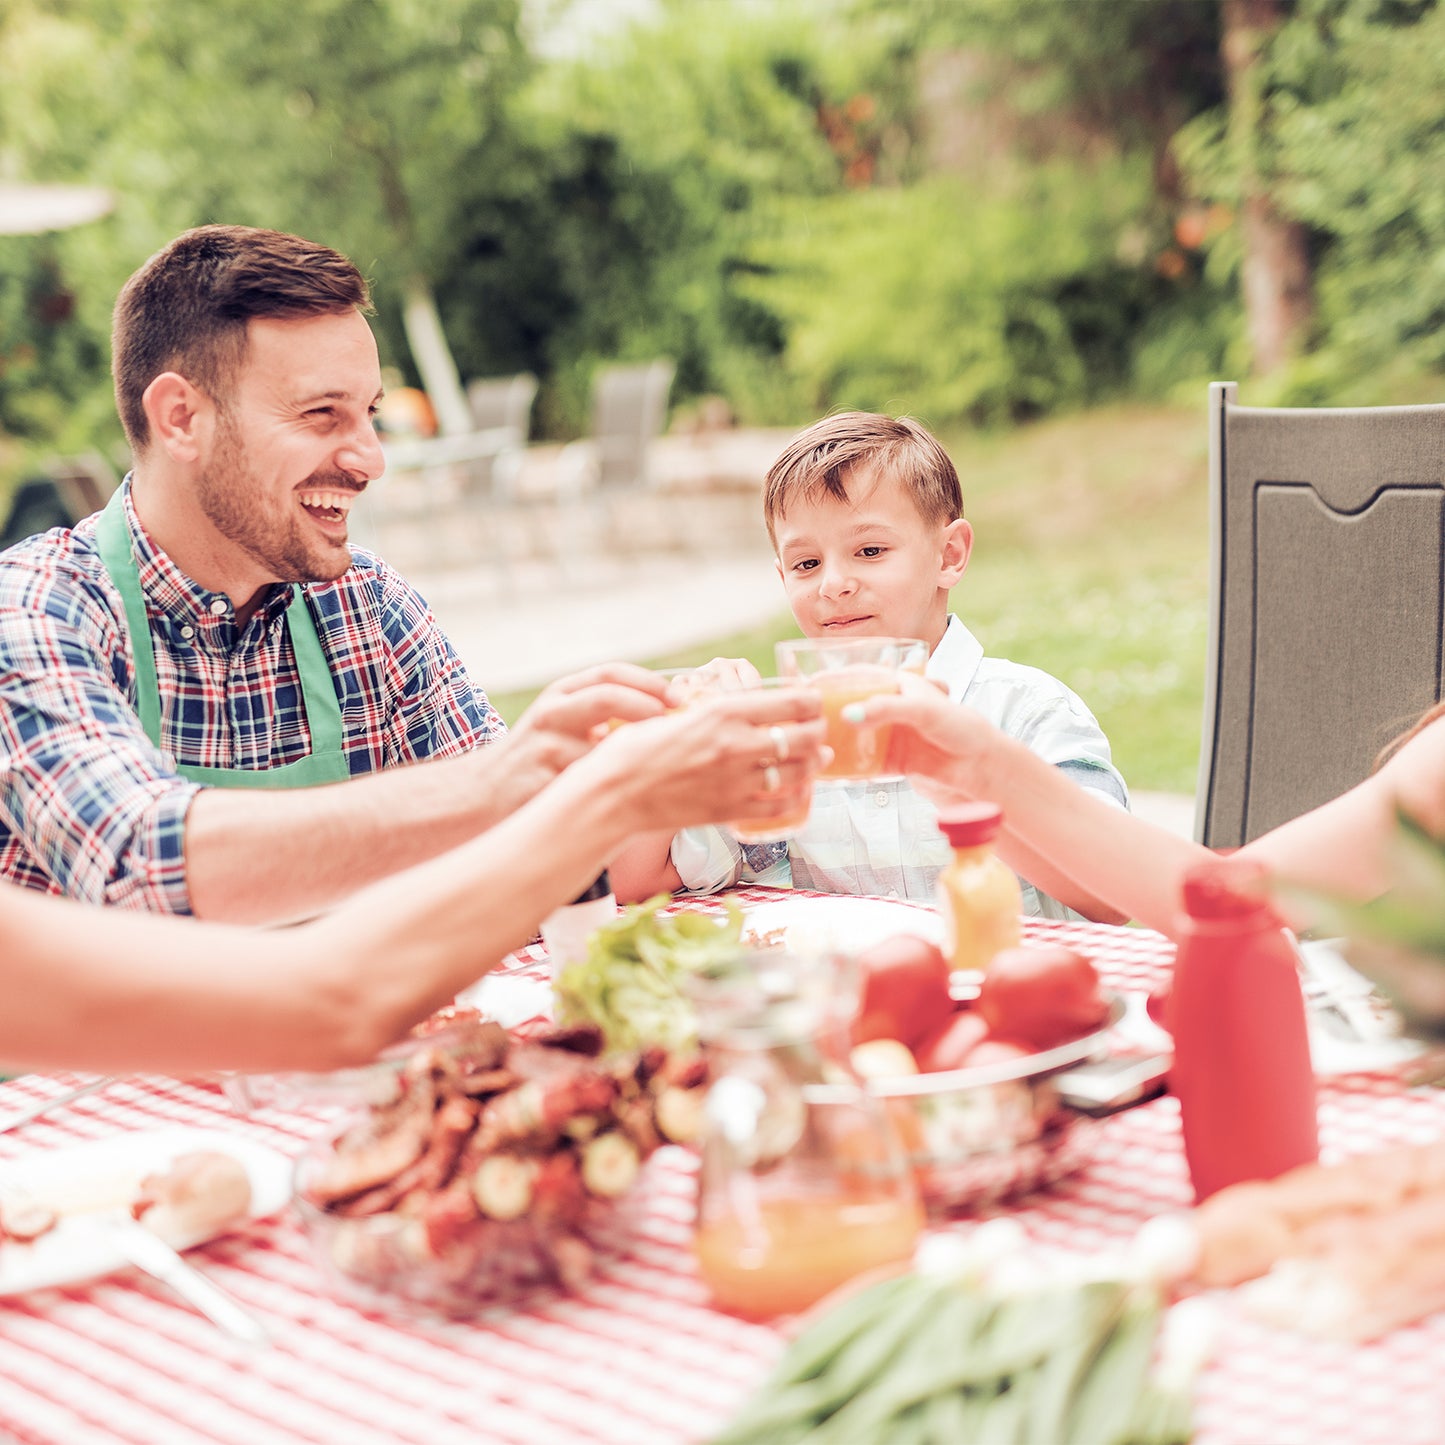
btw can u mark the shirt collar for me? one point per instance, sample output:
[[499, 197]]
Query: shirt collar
[[955, 660], [171, 592]]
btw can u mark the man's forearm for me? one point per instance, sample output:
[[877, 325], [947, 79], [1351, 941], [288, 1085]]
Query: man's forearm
[[276, 855]]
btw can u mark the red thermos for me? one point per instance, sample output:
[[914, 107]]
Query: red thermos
[[1241, 1070]]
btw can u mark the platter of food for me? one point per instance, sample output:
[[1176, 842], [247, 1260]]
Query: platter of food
[[840, 924], [186, 1185]]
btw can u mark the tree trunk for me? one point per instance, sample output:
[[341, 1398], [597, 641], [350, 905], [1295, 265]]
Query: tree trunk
[[1278, 289], [433, 358]]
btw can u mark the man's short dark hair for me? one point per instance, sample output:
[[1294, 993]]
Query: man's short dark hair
[[186, 310]]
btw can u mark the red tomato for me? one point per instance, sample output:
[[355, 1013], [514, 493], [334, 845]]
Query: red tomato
[[904, 990], [1041, 996], [948, 1048]]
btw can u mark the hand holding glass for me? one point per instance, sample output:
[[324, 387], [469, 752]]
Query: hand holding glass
[[847, 670]]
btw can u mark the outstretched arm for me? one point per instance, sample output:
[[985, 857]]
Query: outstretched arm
[[117, 991], [1098, 859], [1133, 866]]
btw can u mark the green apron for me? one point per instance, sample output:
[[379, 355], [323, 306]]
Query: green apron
[[326, 762]]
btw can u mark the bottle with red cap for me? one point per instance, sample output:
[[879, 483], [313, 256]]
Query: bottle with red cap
[[978, 894], [1241, 1069]]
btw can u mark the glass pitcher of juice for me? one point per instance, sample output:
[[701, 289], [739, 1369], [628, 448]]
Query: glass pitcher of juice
[[804, 1183]]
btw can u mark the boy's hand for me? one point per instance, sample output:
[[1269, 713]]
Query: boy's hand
[[722, 674], [933, 740]]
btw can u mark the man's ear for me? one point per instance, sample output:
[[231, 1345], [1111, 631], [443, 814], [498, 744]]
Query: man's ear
[[957, 548], [180, 415]]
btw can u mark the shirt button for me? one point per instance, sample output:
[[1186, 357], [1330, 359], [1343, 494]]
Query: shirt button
[[188, 631], [218, 607], [881, 799]]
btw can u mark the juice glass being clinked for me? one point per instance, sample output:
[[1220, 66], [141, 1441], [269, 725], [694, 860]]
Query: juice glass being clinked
[[848, 670]]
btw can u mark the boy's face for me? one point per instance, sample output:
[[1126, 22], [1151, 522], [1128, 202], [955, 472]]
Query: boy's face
[[871, 566]]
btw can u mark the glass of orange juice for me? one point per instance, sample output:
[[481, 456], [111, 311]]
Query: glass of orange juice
[[804, 1183], [846, 670]]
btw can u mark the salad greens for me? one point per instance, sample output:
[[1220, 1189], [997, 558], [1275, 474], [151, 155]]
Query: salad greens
[[633, 982]]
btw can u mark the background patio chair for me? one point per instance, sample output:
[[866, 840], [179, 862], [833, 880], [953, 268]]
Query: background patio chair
[[607, 474], [1326, 633], [71, 488], [437, 482]]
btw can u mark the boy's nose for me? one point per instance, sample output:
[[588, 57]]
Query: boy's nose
[[836, 582]]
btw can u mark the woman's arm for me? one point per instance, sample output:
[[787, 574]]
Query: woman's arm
[[114, 991], [1074, 845], [1130, 864]]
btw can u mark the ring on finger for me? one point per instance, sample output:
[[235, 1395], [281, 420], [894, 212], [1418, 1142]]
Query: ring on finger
[[772, 778], [779, 740]]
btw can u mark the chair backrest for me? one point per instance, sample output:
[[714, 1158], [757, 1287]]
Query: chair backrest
[[503, 401], [629, 406], [83, 482], [1326, 628]]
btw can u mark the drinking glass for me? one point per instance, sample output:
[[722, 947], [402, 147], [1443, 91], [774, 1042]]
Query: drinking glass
[[804, 1182], [847, 670]]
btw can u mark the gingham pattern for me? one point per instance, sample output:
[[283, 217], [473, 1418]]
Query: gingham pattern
[[637, 1357], [88, 807]]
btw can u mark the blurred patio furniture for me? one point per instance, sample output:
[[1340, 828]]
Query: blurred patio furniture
[[439, 482], [69, 488], [1327, 634], [609, 472]]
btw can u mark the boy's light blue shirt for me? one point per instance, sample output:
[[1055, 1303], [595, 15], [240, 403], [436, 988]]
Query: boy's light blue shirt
[[881, 837]]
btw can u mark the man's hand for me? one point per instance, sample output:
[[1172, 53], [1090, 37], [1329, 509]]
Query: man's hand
[[567, 719], [743, 755]]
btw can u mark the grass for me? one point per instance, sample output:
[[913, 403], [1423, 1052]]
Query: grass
[[1091, 562]]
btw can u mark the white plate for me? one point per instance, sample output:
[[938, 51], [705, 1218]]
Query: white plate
[[842, 924], [86, 1182]]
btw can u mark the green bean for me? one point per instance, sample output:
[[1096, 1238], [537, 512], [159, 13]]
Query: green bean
[[947, 1414], [1006, 1418], [850, 1369], [1104, 1403], [1094, 1311], [915, 1372], [810, 1354]]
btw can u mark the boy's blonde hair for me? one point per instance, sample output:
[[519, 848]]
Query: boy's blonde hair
[[898, 450]]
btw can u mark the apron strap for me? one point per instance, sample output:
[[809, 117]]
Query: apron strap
[[318, 691]]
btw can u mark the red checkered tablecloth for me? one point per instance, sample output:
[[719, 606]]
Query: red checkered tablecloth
[[637, 1356]]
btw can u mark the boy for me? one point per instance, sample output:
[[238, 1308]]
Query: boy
[[865, 515]]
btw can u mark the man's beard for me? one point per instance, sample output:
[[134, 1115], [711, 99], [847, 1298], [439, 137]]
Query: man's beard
[[260, 524]]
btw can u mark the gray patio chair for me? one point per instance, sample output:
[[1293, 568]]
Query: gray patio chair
[[608, 472], [450, 479], [1326, 627]]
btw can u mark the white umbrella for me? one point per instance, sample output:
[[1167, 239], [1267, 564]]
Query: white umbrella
[[27, 210]]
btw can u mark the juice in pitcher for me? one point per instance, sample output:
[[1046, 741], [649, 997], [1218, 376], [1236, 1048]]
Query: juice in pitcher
[[804, 1183], [792, 1252]]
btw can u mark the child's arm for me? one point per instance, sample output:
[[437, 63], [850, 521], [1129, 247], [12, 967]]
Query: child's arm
[[644, 868]]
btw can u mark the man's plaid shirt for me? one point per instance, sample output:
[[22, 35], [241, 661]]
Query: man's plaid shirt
[[88, 807]]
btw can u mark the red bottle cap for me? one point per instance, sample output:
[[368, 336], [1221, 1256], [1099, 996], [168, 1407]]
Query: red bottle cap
[[1226, 888], [971, 825]]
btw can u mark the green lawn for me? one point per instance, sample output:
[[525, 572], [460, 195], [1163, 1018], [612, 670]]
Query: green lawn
[[1091, 562]]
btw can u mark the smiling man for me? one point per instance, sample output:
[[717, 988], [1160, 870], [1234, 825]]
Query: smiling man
[[182, 674]]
